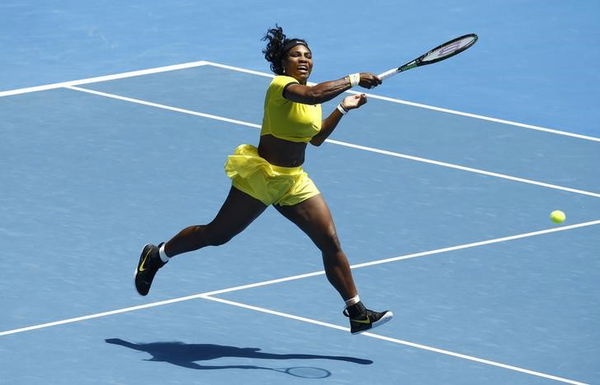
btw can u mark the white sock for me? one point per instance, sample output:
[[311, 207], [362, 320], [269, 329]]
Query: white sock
[[163, 256], [352, 301]]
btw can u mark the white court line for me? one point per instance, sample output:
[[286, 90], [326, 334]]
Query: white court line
[[413, 255], [105, 78], [99, 315], [481, 117], [397, 341], [295, 277], [463, 168], [345, 144], [208, 296], [163, 106], [428, 107]]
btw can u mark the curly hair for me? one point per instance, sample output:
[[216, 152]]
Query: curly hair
[[277, 46]]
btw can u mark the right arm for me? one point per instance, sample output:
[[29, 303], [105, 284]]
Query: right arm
[[326, 91]]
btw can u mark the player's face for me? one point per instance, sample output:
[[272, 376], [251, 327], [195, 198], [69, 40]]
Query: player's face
[[298, 63]]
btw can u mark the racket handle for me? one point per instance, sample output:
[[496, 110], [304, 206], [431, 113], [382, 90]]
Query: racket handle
[[387, 73]]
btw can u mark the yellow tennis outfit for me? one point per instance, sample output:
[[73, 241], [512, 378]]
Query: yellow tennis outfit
[[288, 120], [284, 119]]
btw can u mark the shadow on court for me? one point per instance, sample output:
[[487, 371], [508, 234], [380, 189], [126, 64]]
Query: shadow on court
[[187, 355]]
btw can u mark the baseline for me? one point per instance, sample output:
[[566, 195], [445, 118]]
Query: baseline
[[104, 78]]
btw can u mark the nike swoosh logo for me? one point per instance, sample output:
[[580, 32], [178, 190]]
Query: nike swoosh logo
[[141, 269], [361, 321]]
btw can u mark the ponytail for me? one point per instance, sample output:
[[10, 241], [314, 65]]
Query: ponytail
[[277, 46]]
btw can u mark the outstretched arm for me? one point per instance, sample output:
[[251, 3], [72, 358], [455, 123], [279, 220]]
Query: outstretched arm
[[326, 91]]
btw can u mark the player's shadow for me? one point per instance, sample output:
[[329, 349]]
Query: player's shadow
[[187, 355]]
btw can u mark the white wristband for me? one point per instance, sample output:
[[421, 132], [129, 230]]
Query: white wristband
[[341, 109], [354, 79]]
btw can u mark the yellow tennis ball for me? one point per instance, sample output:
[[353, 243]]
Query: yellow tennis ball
[[557, 216]]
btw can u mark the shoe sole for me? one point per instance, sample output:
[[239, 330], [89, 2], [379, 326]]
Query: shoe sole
[[383, 320]]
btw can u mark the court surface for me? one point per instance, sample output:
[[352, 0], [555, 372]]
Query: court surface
[[443, 214]]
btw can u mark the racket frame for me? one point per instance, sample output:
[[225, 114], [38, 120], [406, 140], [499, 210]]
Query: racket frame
[[418, 62]]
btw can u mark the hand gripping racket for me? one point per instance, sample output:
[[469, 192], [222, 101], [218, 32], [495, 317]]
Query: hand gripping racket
[[439, 53]]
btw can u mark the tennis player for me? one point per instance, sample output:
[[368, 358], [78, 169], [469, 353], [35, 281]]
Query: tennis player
[[272, 174]]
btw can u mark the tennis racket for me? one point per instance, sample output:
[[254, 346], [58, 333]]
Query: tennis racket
[[439, 53]]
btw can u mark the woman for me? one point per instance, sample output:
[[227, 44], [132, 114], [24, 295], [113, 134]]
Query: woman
[[272, 174]]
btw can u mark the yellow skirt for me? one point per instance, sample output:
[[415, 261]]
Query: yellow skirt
[[285, 186]]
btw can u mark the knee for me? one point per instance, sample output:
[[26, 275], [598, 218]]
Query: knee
[[329, 243]]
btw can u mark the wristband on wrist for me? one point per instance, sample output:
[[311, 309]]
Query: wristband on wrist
[[354, 79], [341, 109]]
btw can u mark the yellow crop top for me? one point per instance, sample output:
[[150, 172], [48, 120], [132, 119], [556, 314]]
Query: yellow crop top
[[289, 120]]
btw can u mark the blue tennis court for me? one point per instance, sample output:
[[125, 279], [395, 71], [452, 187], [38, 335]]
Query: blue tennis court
[[443, 214]]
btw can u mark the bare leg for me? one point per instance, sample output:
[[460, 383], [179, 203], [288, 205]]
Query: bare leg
[[237, 212], [314, 218]]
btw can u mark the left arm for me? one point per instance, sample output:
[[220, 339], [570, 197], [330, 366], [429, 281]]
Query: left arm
[[329, 123]]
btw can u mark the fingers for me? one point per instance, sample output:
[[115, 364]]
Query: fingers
[[369, 80], [362, 99], [354, 101]]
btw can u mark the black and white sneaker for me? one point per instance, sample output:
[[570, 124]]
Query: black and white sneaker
[[147, 267], [365, 319]]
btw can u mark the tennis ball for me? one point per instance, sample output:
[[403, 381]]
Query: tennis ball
[[557, 216]]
